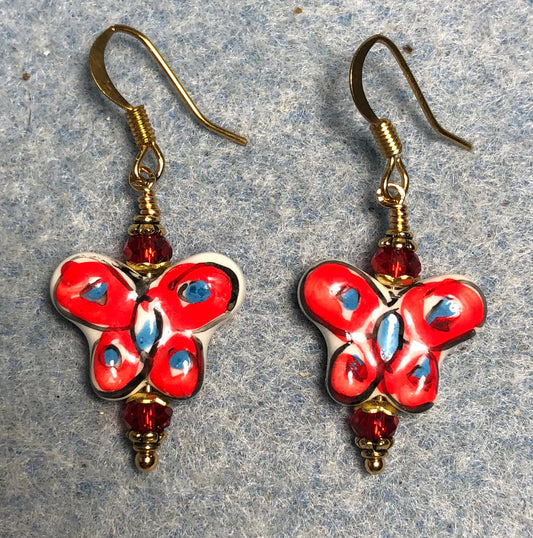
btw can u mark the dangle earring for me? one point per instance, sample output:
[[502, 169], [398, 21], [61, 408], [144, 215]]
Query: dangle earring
[[147, 323], [387, 334]]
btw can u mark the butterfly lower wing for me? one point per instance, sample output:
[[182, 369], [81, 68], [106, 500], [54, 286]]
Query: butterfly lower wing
[[411, 379], [178, 367], [352, 373], [116, 368]]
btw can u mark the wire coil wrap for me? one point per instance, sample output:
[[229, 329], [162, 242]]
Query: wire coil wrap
[[386, 138], [140, 126], [398, 220], [148, 209]]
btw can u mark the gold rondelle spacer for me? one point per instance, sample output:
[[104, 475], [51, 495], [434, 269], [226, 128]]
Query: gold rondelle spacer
[[148, 269], [398, 282], [378, 404]]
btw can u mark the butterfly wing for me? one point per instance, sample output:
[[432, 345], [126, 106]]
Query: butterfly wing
[[98, 295], [437, 314], [443, 311], [345, 303], [191, 299]]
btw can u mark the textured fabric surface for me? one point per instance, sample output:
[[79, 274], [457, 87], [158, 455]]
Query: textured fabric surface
[[262, 450]]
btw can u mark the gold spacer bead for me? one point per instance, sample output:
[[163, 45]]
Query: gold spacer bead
[[146, 461], [147, 397], [374, 465], [146, 228]]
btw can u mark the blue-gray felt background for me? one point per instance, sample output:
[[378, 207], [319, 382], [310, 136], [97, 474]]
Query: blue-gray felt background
[[262, 451]]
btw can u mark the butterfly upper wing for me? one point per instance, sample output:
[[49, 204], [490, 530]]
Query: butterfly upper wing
[[436, 314], [345, 303], [340, 298], [94, 291], [191, 298], [98, 294], [196, 294], [443, 311]]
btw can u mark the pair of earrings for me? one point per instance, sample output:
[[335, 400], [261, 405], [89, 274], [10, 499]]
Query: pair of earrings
[[148, 323]]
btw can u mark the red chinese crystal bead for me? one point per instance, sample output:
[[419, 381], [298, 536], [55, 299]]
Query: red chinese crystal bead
[[147, 417], [396, 262], [153, 248], [373, 426]]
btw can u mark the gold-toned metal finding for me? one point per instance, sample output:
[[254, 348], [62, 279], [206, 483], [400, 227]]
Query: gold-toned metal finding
[[391, 193], [379, 404], [361, 102], [375, 452], [142, 177], [396, 282], [148, 396], [101, 77], [146, 444]]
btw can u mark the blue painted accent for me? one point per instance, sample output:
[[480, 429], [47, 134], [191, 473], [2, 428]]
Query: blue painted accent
[[146, 337], [180, 360], [446, 308], [197, 292], [111, 357], [389, 336], [96, 292], [350, 299], [357, 360], [422, 370]]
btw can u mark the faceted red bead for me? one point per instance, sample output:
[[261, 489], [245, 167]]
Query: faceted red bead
[[373, 426], [147, 417], [396, 262], [153, 248]]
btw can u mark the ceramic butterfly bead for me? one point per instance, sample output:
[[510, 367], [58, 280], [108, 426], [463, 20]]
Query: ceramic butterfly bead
[[385, 345], [147, 337]]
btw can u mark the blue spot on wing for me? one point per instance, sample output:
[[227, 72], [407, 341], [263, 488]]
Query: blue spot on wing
[[197, 292], [422, 370], [148, 334], [180, 360], [356, 369], [356, 361], [446, 308], [389, 336], [95, 292], [349, 299], [111, 357]]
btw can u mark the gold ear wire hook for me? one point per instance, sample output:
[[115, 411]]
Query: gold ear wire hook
[[137, 117], [391, 194], [361, 102]]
